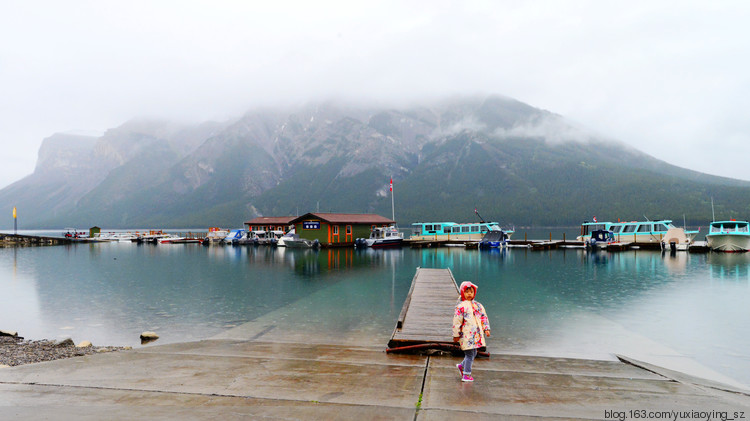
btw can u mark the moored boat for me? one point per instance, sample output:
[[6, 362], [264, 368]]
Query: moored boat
[[729, 236], [215, 235], [451, 231], [233, 236], [599, 240], [494, 238], [296, 242], [381, 237], [633, 231]]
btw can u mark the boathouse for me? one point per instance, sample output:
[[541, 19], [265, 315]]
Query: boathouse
[[270, 223], [337, 229]]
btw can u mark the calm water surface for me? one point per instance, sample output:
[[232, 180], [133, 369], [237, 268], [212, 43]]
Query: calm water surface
[[560, 302]]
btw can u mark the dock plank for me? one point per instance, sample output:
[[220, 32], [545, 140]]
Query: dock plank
[[427, 314]]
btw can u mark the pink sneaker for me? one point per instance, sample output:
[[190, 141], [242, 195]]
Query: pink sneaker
[[460, 369], [467, 378]]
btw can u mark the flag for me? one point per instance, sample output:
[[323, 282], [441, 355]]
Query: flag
[[14, 212], [391, 183], [595, 219]]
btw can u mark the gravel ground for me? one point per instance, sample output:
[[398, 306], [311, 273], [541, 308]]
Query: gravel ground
[[16, 351]]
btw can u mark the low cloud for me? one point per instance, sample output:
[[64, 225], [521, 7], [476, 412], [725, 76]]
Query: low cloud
[[551, 128]]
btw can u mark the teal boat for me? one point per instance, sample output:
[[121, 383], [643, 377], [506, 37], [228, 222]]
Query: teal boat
[[452, 231], [633, 231]]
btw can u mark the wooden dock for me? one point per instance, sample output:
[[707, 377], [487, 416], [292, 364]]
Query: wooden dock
[[427, 314], [18, 240]]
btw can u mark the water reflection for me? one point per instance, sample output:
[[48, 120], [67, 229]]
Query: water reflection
[[550, 301], [729, 266]]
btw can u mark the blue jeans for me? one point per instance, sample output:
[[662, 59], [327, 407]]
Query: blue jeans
[[469, 355]]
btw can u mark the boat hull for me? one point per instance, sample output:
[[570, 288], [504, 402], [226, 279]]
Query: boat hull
[[728, 242], [385, 243]]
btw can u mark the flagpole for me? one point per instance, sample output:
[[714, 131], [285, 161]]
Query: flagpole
[[393, 207]]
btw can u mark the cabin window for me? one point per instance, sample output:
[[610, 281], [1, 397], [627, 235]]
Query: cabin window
[[742, 228], [429, 228], [348, 230], [465, 229], [616, 228], [475, 228], [629, 228], [660, 228], [335, 230], [644, 228], [484, 229], [456, 229]]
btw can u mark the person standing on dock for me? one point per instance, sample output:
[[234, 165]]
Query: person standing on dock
[[470, 326]]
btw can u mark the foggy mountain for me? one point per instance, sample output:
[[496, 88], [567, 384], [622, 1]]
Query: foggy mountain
[[516, 164]]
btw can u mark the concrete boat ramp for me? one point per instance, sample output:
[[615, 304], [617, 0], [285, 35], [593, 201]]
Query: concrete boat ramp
[[255, 371]]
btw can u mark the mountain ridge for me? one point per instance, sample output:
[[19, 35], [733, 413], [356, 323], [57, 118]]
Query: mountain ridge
[[516, 163]]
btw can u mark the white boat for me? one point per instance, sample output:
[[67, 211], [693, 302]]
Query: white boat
[[294, 241], [382, 237], [729, 236], [169, 238], [282, 240], [117, 236], [152, 237], [270, 237], [233, 235], [215, 235], [633, 231], [675, 240]]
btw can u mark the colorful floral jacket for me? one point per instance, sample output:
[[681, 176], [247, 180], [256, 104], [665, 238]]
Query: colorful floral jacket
[[469, 323]]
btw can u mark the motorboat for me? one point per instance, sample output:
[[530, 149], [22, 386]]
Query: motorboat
[[152, 237], [215, 235], [675, 240], [233, 235], [248, 238], [116, 236], [382, 237], [294, 241], [494, 238], [729, 236], [269, 238], [599, 239], [282, 240], [169, 238]]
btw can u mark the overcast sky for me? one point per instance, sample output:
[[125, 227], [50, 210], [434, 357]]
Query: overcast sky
[[670, 78]]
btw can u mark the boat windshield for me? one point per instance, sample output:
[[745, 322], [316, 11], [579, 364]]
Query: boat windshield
[[729, 227]]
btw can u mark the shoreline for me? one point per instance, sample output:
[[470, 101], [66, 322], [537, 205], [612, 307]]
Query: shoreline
[[15, 350]]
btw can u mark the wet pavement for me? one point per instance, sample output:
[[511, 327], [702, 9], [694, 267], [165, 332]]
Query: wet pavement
[[256, 378]]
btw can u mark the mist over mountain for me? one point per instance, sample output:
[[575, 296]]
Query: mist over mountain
[[516, 164]]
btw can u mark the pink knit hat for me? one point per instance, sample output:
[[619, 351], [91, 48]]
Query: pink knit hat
[[463, 287]]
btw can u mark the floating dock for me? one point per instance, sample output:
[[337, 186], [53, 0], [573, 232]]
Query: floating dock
[[426, 317]]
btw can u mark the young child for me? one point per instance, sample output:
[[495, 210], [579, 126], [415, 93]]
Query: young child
[[470, 326]]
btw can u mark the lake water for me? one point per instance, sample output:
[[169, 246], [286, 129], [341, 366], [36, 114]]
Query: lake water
[[685, 311]]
